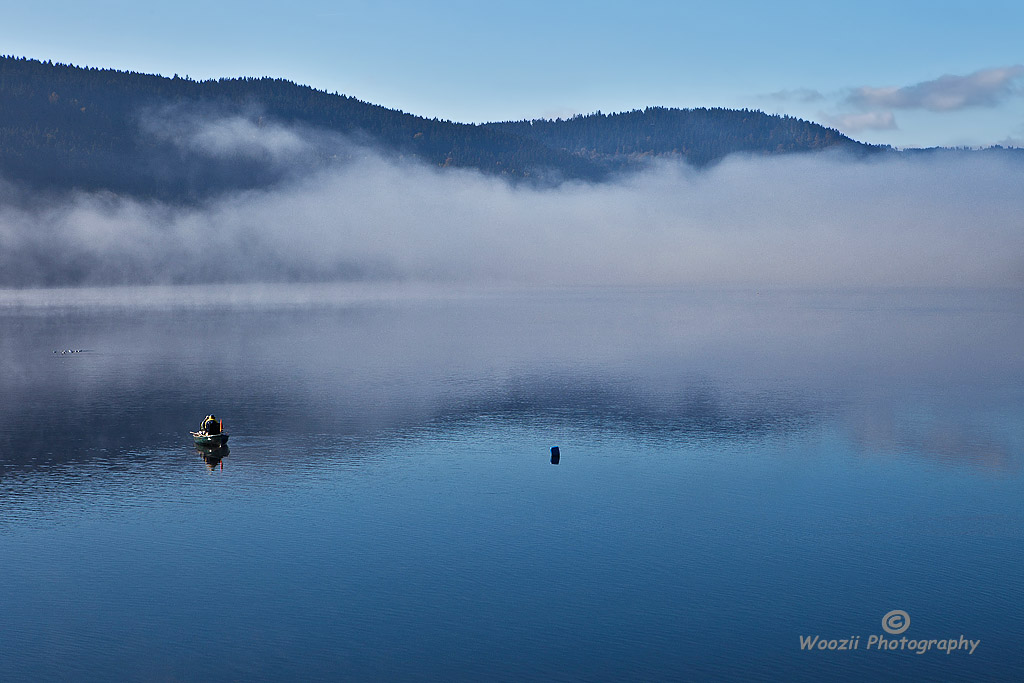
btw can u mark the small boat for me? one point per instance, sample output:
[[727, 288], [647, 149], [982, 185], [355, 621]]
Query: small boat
[[211, 433], [204, 440]]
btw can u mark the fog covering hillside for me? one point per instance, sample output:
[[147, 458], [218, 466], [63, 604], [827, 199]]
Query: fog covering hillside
[[98, 129], [110, 178]]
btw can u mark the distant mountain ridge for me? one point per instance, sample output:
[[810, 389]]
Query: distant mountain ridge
[[699, 136], [65, 127]]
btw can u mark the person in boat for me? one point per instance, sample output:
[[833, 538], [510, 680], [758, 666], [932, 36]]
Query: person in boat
[[210, 425]]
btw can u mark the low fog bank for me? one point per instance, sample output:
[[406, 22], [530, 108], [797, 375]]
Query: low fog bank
[[904, 375], [806, 220]]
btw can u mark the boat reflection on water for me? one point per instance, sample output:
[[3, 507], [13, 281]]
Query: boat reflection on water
[[213, 456]]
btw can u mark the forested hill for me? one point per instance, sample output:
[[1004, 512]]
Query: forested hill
[[69, 127], [701, 136], [65, 127]]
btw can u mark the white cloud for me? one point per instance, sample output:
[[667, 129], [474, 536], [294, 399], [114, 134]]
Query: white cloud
[[987, 87]]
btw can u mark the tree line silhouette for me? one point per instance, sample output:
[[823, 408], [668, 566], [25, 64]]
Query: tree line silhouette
[[64, 127]]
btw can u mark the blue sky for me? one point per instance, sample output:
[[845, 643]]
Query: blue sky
[[900, 72]]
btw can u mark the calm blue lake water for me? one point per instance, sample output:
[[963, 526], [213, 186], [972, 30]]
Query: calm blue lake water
[[739, 470]]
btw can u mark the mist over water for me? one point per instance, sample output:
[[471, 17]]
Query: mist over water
[[787, 394], [737, 469], [808, 220], [366, 359]]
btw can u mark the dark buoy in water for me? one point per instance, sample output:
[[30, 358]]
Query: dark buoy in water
[[555, 456]]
